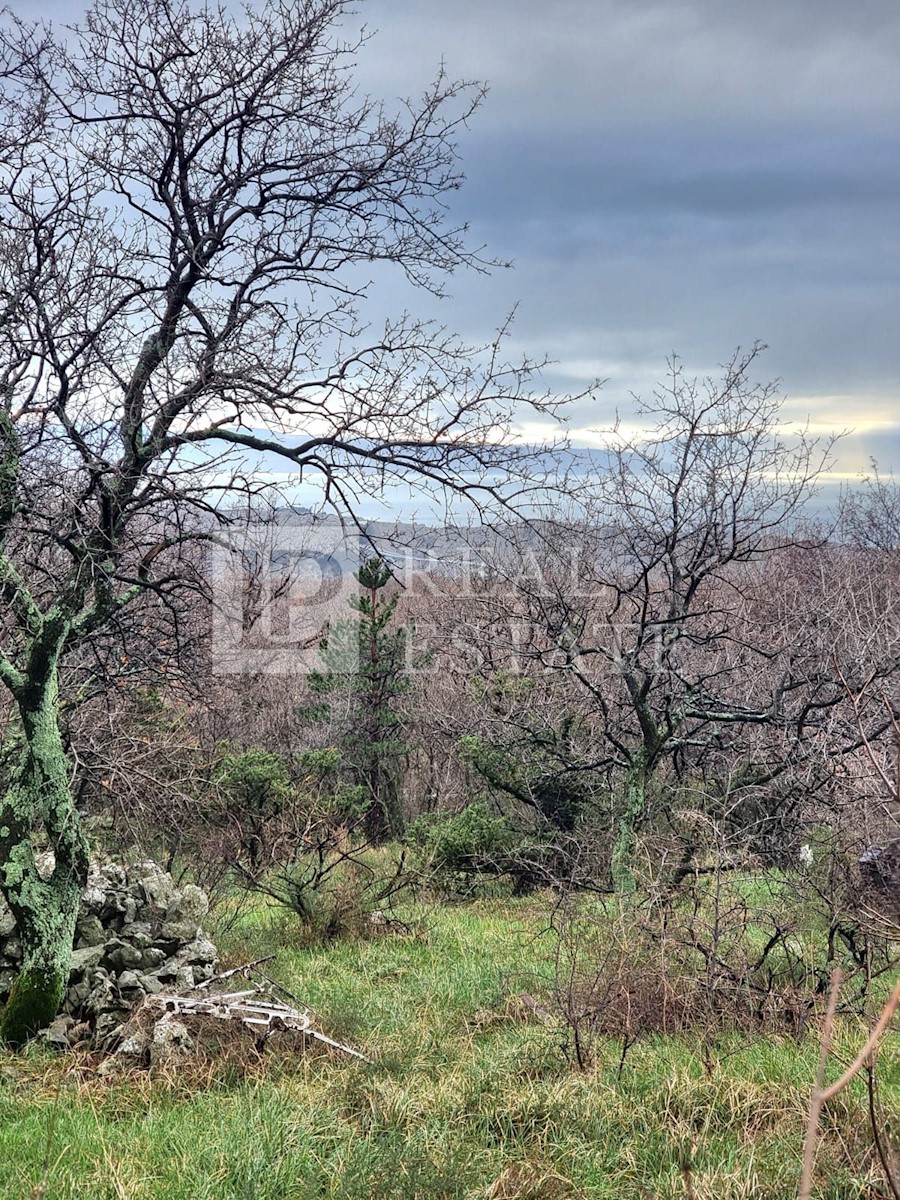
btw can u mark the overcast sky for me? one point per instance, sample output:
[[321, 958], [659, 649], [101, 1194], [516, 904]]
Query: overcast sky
[[680, 176]]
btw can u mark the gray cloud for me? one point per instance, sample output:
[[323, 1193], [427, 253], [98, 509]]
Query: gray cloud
[[683, 176], [623, 61], [674, 175]]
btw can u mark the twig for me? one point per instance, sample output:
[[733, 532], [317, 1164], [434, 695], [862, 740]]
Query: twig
[[816, 1100], [822, 1094], [856, 1066], [244, 967]]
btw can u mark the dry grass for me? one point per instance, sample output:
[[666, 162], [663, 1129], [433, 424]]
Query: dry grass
[[471, 1097]]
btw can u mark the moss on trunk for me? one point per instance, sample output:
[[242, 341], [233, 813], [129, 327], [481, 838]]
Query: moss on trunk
[[33, 1003], [45, 907], [626, 834]]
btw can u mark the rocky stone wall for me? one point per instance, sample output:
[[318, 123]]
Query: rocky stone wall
[[137, 933]]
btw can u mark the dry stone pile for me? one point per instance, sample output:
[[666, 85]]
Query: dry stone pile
[[138, 934]]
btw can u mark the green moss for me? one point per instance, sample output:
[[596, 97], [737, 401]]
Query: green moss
[[45, 909], [33, 1003], [626, 836]]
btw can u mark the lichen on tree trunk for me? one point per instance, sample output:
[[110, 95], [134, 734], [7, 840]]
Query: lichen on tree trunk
[[625, 841], [45, 907]]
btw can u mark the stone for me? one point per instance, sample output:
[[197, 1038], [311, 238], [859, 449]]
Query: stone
[[132, 1051], [101, 996], [134, 1046], [108, 1024], [152, 957], [171, 1041], [170, 946], [118, 955], [137, 933], [165, 975], [84, 960], [92, 897], [201, 951], [57, 1035], [157, 885], [76, 996], [89, 931], [129, 981], [184, 979], [112, 876], [185, 914], [129, 957]]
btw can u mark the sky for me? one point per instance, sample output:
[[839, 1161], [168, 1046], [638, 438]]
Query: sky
[[672, 176], [679, 177]]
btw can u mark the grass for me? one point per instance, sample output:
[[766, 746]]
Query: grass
[[466, 1099]]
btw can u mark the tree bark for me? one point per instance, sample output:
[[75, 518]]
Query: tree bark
[[636, 781], [45, 908]]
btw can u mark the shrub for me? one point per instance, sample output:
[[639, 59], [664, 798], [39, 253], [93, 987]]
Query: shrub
[[467, 843], [340, 893]]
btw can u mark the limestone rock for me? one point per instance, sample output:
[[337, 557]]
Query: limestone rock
[[170, 1041], [108, 1024], [184, 979], [158, 887], [89, 931], [57, 1035], [137, 933], [185, 914], [131, 1052], [84, 960], [119, 955], [130, 986]]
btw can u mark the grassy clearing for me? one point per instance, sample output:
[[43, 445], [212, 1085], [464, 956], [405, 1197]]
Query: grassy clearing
[[467, 1098]]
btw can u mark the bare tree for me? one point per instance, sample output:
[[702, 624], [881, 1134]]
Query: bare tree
[[870, 514], [191, 204], [650, 603]]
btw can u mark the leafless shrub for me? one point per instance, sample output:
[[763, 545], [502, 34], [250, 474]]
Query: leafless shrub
[[338, 887], [732, 946]]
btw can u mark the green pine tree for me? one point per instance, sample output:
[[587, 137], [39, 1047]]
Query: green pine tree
[[365, 660]]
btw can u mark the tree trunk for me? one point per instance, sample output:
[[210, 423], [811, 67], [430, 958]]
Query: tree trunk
[[625, 843], [45, 909]]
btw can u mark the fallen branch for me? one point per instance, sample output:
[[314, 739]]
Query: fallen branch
[[264, 1016]]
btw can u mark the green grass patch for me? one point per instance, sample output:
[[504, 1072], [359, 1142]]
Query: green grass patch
[[466, 1098]]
